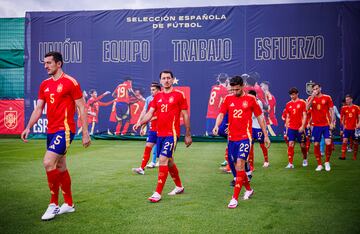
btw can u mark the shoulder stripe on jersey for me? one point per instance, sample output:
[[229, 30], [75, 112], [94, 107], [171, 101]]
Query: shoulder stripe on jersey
[[183, 94], [71, 79]]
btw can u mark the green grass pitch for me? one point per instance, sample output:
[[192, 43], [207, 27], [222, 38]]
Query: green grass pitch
[[109, 198]]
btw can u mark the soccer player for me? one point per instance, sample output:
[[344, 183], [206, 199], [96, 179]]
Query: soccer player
[[217, 95], [295, 112], [152, 135], [169, 105], [271, 120], [93, 105], [137, 103], [258, 135], [240, 107], [350, 119], [61, 93], [322, 116]]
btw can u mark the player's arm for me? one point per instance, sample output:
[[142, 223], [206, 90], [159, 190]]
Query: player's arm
[[35, 115], [262, 124], [332, 118], [188, 139], [218, 121], [80, 104], [303, 122], [144, 119], [358, 122], [309, 101]]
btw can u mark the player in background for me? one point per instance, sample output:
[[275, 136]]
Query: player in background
[[217, 95], [152, 135], [350, 119], [62, 94], [322, 115], [283, 117], [120, 110], [93, 105], [271, 110], [137, 103], [240, 107], [257, 135], [295, 111], [169, 104]]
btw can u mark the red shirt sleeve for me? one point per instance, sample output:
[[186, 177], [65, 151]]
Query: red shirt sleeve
[[183, 102], [224, 106], [331, 104], [41, 92], [76, 92], [152, 104]]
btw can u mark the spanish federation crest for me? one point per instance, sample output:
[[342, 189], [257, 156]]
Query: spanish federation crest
[[245, 104], [59, 88], [308, 87], [171, 99], [10, 119]]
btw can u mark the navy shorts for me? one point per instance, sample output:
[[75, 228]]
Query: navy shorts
[[239, 149], [165, 146], [296, 135], [59, 142], [257, 134], [349, 134], [317, 132], [152, 137]]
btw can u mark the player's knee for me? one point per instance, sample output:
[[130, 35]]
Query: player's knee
[[291, 143], [49, 164]]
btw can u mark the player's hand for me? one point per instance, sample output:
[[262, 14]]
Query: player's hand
[[107, 92], [267, 141], [24, 135], [136, 126], [301, 129], [215, 130], [143, 130], [332, 126], [227, 130], [86, 140], [188, 140]]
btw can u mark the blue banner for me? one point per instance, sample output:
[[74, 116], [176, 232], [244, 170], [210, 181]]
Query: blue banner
[[278, 46]]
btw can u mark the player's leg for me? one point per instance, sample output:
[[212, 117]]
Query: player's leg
[[173, 170], [302, 141], [150, 142], [260, 139], [65, 185], [291, 133], [308, 139], [316, 135], [328, 147], [356, 147], [92, 127], [345, 138], [152, 164]]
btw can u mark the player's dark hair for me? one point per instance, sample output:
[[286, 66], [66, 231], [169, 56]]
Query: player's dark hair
[[315, 84], [252, 92], [156, 85], [236, 80], [56, 55], [91, 91], [168, 72], [348, 96], [293, 90]]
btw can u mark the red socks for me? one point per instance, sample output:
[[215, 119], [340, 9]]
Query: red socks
[[241, 179], [162, 176], [343, 150], [304, 152], [175, 175], [65, 183], [251, 157], [146, 157], [328, 150], [265, 152], [291, 154], [53, 177], [355, 150], [308, 142], [317, 153]]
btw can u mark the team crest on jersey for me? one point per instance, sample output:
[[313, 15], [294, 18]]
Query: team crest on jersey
[[171, 99], [245, 104], [353, 110], [298, 106], [59, 88], [323, 101], [10, 119]]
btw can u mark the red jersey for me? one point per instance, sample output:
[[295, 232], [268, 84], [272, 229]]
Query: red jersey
[[272, 107], [122, 92], [168, 107], [320, 107], [60, 96], [217, 95], [294, 112], [135, 111], [350, 115], [240, 110], [259, 92]]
